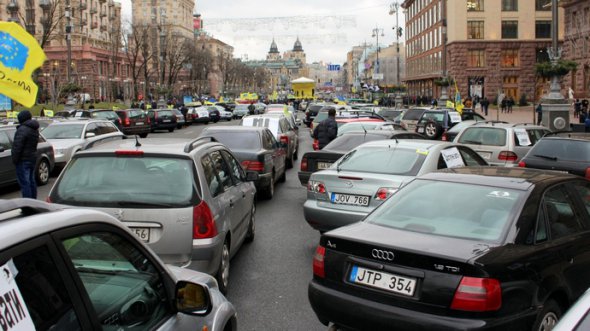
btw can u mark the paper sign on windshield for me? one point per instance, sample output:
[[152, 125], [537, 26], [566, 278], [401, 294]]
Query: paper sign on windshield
[[455, 117], [263, 122], [14, 315], [523, 137], [452, 157]]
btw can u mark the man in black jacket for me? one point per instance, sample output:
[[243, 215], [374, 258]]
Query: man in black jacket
[[24, 153], [327, 130]]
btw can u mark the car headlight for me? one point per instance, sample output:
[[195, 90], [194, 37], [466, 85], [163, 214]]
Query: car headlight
[[60, 151]]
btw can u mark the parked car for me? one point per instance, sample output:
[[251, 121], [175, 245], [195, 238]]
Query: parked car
[[224, 114], [505, 251], [257, 150], [45, 158], [311, 112], [240, 111], [68, 137], [214, 114], [565, 152], [180, 121], [134, 121], [322, 159], [198, 115], [390, 113], [191, 202], [162, 119], [280, 129], [347, 126], [410, 117], [436, 122], [501, 144], [101, 114], [366, 176], [452, 133], [79, 269]]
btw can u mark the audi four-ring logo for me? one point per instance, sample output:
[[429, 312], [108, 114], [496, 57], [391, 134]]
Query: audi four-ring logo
[[382, 255]]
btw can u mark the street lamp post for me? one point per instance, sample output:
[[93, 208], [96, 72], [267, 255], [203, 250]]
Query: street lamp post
[[68, 15], [376, 32], [394, 9]]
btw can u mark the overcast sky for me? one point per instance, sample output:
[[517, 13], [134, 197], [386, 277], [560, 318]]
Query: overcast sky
[[328, 29]]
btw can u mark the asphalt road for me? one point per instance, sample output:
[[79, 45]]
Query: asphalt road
[[269, 277]]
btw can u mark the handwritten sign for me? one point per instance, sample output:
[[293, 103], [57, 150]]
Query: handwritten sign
[[455, 117], [452, 157], [14, 315], [523, 137]]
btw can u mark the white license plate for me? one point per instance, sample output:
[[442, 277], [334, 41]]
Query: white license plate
[[420, 130], [166, 121], [486, 155], [142, 233], [348, 199], [324, 165], [383, 280], [138, 123]]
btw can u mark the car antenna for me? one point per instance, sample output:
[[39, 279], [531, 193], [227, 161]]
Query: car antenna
[[137, 144]]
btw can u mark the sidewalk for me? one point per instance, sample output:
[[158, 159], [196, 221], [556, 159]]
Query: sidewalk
[[524, 114]]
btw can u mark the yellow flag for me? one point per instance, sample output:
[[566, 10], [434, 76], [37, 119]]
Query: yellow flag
[[20, 55], [450, 104]]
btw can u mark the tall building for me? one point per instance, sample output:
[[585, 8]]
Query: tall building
[[577, 44], [170, 15], [95, 27], [487, 46], [222, 54]]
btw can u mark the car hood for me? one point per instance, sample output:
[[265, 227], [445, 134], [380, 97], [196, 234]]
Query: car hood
[[64, 143]]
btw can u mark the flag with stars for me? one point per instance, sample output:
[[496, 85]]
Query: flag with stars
[[20, 55]]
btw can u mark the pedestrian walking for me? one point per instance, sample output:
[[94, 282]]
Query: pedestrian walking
[[251, 108], [577, 108], [327, 130], [509, 104], [485, 103], [587, 124], [539, 111], [24, 153], [503, 105]]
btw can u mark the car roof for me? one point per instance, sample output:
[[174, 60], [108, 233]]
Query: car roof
[[506, 125], [582, 136], [513, 178], [82, 121], [410, 143], [164, 146], [234, 128]]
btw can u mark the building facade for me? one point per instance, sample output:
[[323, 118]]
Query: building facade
[[222, 54], [577, 44], [488, 46]]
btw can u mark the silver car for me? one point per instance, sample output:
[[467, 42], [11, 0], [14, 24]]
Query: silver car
[[191, 202], [366, 176], [80, 269], [501, 144]]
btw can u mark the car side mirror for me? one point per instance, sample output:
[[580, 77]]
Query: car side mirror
[[252, 176], [192, 298], [1, 149], [90, 134]]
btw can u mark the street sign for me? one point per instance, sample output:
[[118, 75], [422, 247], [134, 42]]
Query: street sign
[[333, 67], [377, 76]]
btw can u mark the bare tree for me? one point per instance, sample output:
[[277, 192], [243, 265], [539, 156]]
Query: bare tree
[[177, 57], [51, 20], [138, 53], [200, 60]]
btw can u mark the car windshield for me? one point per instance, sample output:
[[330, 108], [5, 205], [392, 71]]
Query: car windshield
[[72, 131], [362, 126], [125, 181], [348, 142], [107, 115], [383, 159], [237, 140], [563, 150], [484, 136], [425, 206]]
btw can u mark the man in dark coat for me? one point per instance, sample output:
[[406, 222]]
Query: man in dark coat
[[24, 153], [327, 130]]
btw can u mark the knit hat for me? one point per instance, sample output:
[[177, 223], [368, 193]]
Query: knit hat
[[24, 116]]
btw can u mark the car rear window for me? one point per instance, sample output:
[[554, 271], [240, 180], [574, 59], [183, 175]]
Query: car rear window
[[165, 113], [483, 136], [563, 149], [348, 142], [425, 206], [237, 140], [413, 114], [71, 131], [108, 115], [109, 181], [383, 160], [436, 117]]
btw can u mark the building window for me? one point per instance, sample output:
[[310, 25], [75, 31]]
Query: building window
[[510, 58], [475, 30], [476, 58], [542, 5], [509, 29], [542, 29], [509, 5], [474, 5]]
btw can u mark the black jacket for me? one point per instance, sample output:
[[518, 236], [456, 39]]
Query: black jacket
[[24, 146], [326, 131]]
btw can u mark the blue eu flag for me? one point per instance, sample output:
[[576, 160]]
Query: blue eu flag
[[13, 54]]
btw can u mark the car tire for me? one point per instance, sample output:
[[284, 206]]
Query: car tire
[[269, 192], [229, 119], [171, 130], [179, 126], [432, 130], [143, 135], [206, 123], [548, 317], [283, 177], [251, 225], [295, 154], [222, 275], [289, 162], [42, 172]]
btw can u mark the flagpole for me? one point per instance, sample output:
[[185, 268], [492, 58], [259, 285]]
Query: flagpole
[[68, 15]]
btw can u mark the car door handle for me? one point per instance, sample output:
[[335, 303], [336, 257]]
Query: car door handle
[[231, 203]]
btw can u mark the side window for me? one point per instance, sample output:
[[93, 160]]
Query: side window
[[92, 128], [4, 141], [48, 305], [211, 176], [236, 169], [108, 128], [222, 170], [125, 288], [583, 189], [267, 140], [441, 163], [470, 157], [560, 213], [272, 139]]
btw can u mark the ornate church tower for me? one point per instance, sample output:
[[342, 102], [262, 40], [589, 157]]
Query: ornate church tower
[[273, 53]]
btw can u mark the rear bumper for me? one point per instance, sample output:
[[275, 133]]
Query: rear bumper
[[304, 177], [135, 130], [206, 254], [324, 219], [262, 182], [358, 313], [164, 126]]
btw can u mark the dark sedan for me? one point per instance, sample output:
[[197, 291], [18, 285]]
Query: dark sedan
[[162, 119], [257, 150], [487, 248], [45, 158], [134, 121], [322, 159], [565, 152]]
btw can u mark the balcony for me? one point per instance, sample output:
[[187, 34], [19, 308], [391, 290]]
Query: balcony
[[83, 5], [103, 28], [12, 7], [102, 1], [111, 3], [94, 25], [44, 4], [93, 10], [83, 22], [103, 14]]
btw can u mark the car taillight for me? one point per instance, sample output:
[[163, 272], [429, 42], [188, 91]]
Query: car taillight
[[284, 139], [384, 192], [253, 165], [304, 164], [477, 294], [587, 175], [507, 156], [126, 122], [128, 153], [316, 186], [48, 199], [318, 262], [444, 136], [316, 144], [203, 223], [521, 164]]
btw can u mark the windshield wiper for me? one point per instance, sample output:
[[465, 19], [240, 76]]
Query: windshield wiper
[[344, 158], [473, 142], [552, 158], [81, 268], [126, 203]]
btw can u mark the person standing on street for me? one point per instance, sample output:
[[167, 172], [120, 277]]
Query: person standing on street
[[485, 103], [539, 111], [251, 108], [327, 130], [24, 153]]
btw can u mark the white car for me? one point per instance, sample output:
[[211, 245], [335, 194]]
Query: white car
[[224, 114], [198, 115], [70, 136]]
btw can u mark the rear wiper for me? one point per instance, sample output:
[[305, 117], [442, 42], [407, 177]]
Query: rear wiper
[[346, 157], [552, 158], [473, 142], [126, 203]]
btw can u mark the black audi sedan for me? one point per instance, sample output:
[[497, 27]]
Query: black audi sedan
[[486, 248]]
